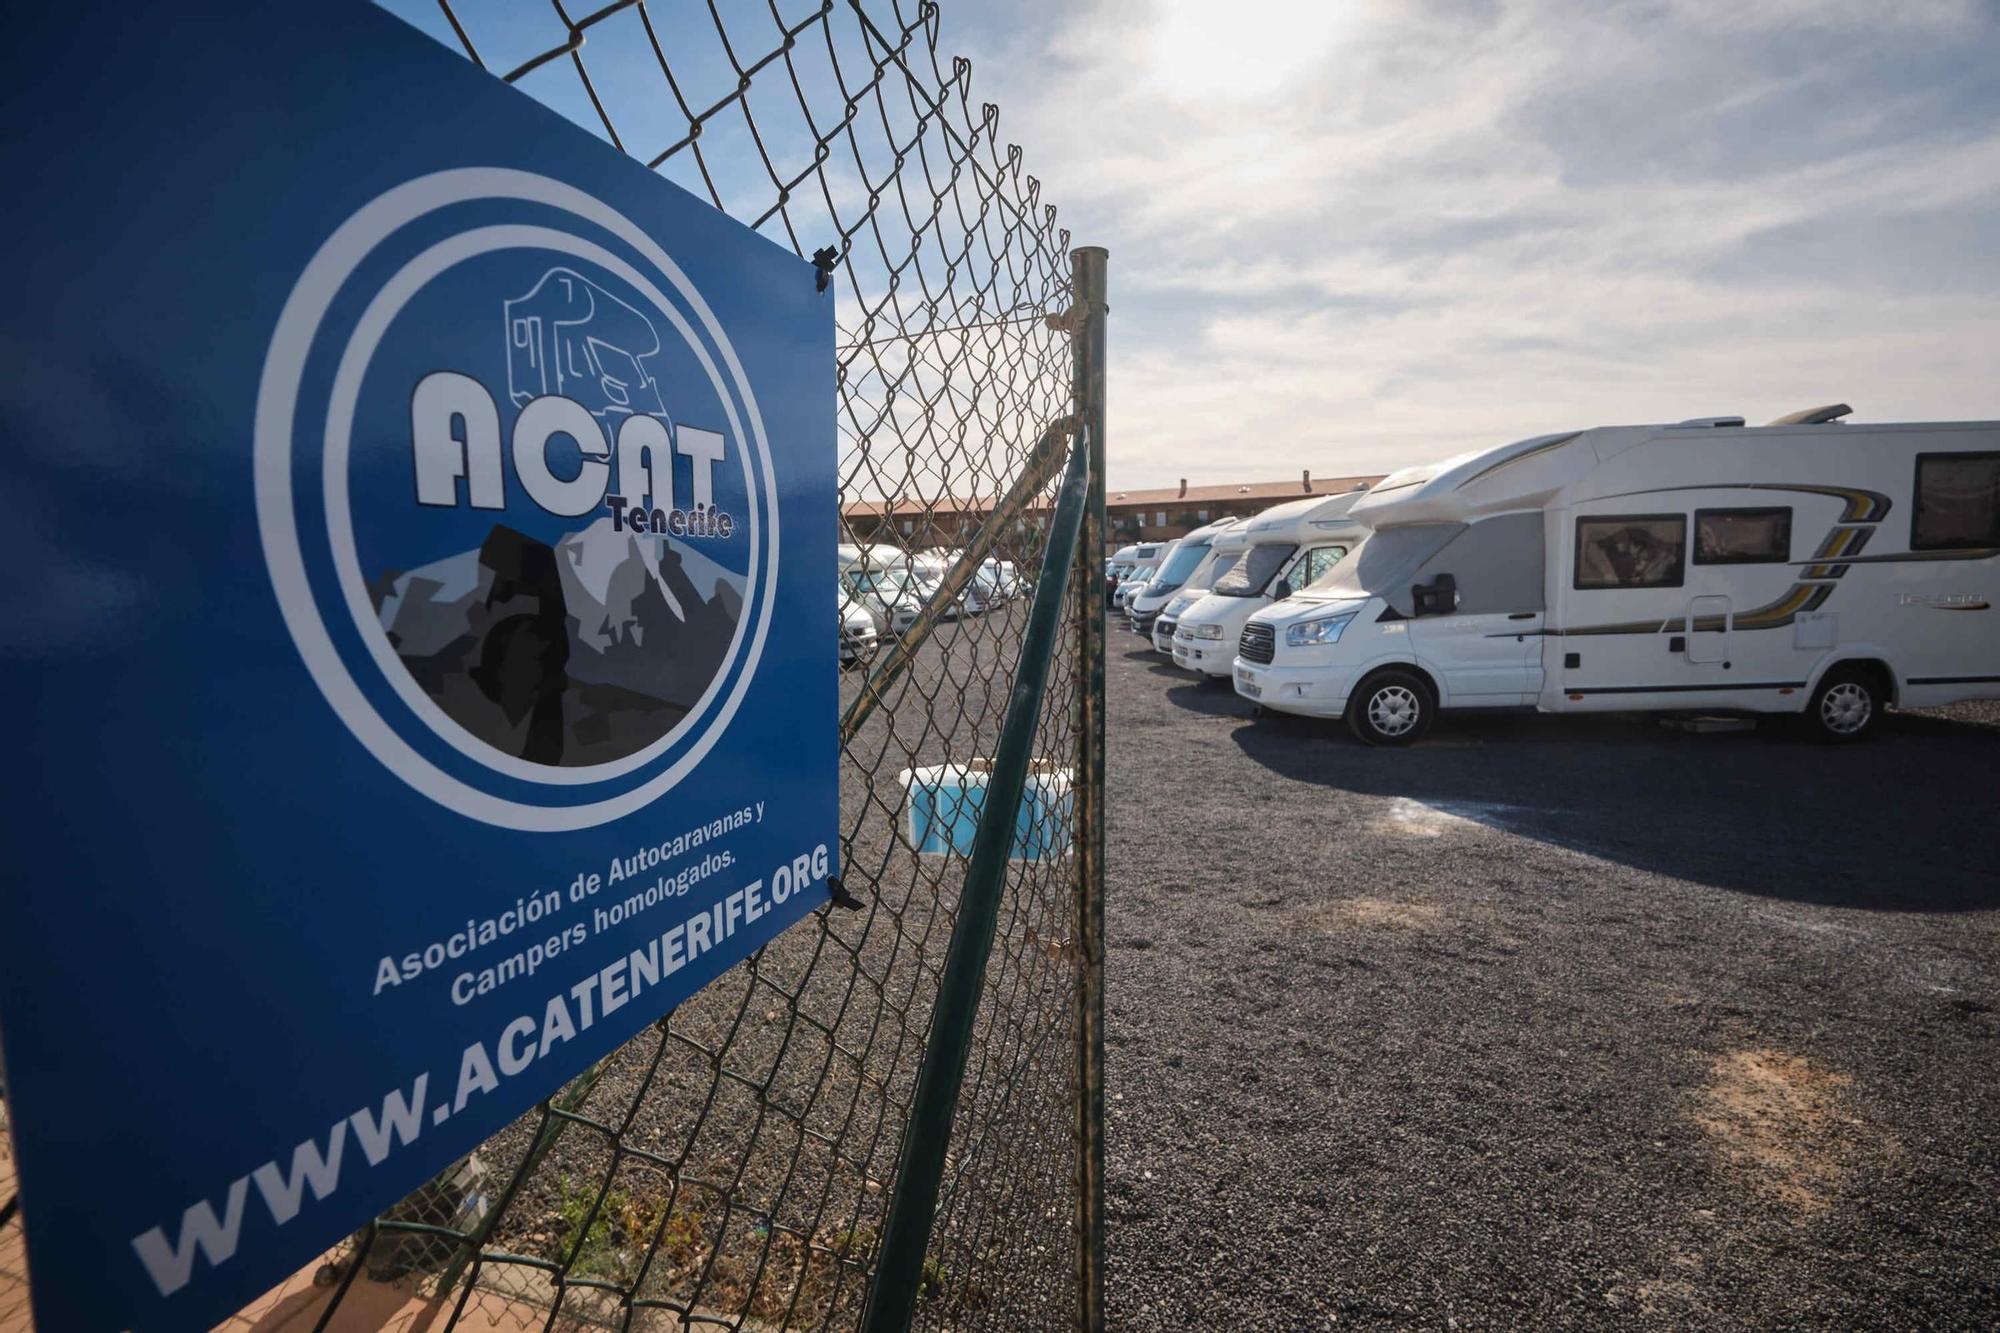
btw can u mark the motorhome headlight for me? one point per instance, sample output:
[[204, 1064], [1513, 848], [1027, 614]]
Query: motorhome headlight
[[1204, 631], [1326, 629]]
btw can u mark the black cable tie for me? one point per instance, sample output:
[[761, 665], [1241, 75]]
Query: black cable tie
[[841, 897], [824, 260]]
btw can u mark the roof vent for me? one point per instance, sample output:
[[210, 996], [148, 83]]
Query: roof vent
[[1704, 423], [1814, 416]]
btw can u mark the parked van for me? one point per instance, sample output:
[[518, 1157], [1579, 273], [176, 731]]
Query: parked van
[[1180, 560], [1123, 561], [1139, 571], [1802, 567], [1286, 547], [1131, 563], [1225, 549]]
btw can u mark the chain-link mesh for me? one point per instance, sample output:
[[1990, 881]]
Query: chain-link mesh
[[732, 1167]]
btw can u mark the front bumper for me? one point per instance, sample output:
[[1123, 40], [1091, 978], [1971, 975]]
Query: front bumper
[[1163, 636], [1211, 657], [1307, 691]]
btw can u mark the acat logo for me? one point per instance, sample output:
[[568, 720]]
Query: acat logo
[[577, 367], [455, 436]]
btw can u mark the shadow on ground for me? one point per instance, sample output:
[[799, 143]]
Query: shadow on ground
[[1901, 821], [1897, 822]]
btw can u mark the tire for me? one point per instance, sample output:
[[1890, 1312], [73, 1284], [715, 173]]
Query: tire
[[1846, 705], [1392, 707]]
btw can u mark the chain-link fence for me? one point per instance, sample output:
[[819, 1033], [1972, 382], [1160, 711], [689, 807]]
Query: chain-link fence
[[734, 1166]]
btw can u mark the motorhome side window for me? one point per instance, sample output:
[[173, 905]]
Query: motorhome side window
[[1742, 536], [1958, 502], [1631, 550]]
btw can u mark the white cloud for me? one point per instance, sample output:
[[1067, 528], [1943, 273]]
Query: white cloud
[[1350, 236]]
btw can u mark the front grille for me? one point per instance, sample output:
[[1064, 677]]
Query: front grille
[[1258, 643], [1164, 628], [1142, 624]]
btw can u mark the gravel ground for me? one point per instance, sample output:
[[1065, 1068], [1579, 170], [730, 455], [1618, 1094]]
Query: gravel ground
[[1548, 1021]]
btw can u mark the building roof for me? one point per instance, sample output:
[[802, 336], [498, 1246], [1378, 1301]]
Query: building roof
[[946, 504], [1270, 492], [1231, 492]]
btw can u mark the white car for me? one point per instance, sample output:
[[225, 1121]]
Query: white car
[[891, 597], [858, 639]]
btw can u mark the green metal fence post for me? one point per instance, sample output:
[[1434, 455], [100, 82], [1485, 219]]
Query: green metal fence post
[[906, 1235], [1087, 277]]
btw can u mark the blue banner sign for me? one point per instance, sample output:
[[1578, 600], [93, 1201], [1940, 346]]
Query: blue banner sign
[[417, 519]]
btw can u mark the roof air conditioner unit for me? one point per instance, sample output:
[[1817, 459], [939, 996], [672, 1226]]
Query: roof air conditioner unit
[[1814, 416]]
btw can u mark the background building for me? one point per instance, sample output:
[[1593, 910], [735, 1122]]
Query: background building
[[1131, 516], [1174, 511]]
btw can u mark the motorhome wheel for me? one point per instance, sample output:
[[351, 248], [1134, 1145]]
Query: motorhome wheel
[[1846, 704], [1391, 708]]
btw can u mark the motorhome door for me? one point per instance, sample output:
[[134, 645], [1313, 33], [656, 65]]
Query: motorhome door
[[1708, 626]]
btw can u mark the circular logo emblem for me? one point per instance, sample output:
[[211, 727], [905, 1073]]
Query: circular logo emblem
[[515, 498]]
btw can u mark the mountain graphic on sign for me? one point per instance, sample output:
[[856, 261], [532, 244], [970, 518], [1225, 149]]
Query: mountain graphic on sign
[[574, 654]]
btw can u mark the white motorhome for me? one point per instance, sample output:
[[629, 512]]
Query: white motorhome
[[858, 636], [1286, 547], [1127, 561], [1143, 607], [1808, 566], [1224, 550], [1146, 558]]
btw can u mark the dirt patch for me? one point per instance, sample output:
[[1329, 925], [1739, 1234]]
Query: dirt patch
[[1370, 914], [1789, 1125]]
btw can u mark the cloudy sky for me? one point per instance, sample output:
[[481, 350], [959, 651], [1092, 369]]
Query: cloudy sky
[[1348, 235]]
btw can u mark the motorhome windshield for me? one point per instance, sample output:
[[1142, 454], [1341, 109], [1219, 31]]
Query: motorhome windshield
[[1385, 560], [1254, 570], [1224, 562], [1174, 573]]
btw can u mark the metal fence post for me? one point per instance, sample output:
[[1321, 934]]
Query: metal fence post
[[1087, 275]]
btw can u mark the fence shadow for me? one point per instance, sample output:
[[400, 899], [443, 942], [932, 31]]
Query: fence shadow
[[1901, 822]]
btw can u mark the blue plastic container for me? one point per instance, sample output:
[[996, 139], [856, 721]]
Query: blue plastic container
[[942, 804]]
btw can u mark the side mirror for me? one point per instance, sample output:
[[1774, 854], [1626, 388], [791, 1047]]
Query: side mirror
[[1436, 598], [1283, 590]]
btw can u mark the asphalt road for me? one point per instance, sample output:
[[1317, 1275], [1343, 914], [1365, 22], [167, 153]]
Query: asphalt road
[[1548, 1021]]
